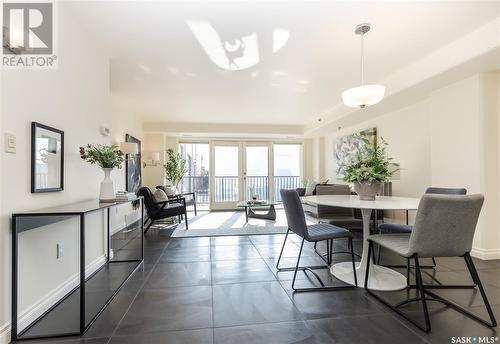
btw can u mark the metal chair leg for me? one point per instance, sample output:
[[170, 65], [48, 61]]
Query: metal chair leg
[[395, 308], [282, 248], [421, 289], [477, 280], [307, 268], [353, 265]]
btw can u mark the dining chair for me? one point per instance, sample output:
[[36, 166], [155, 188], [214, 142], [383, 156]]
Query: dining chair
[[405, 228], [337, 216], [296, 221], [444, 227]]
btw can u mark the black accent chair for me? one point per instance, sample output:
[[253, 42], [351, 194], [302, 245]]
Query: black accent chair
[[189, 196], [159, 210], [396, 228], [318, 232]]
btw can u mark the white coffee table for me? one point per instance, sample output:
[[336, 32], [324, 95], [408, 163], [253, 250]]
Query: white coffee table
[[381, 278]]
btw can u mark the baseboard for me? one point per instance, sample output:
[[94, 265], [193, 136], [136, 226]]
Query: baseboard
[[485, 254], [35, 311]]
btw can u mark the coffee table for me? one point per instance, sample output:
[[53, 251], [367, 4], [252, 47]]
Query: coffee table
[[249, 213]]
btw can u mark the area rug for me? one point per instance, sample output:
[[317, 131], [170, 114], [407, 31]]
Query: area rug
[[222, 223]]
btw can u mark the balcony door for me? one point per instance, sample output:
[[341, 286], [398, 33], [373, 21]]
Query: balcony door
[[240, 170], [227, 175]]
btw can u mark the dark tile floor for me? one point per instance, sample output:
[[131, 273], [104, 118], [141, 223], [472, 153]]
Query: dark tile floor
[[227, 290]]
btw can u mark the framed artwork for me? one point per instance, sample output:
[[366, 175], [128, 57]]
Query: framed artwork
[[47, 158], [346, 147], [133, 178]]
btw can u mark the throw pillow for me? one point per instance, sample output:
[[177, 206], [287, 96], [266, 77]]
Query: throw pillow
[[160, 196], [311, 185]]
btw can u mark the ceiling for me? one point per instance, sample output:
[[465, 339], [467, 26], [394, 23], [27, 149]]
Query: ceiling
[[297, 59]]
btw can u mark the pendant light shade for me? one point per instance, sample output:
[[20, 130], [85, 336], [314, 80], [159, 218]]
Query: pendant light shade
[[364, 95]]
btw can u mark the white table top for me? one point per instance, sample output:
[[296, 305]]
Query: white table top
[[352, 201]]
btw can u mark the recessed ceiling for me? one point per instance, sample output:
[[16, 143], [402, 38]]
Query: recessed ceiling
[[287, 62]]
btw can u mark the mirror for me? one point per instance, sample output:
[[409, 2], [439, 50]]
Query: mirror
[[47, 158]]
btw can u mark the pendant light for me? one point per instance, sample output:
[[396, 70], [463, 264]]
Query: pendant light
[[364, 95]]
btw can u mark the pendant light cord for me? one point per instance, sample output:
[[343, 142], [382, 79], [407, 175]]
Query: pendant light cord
[[362, 61]]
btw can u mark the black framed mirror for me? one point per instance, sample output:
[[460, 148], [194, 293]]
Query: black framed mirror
[[47, 158]]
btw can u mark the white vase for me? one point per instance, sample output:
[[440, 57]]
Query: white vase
[[107, 193], [367, 191]]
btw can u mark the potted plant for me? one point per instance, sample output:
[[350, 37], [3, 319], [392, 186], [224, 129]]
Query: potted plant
[[108, 158], [369, 169], [175, 168]]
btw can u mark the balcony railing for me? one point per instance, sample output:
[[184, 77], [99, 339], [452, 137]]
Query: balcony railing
[[227, 187]]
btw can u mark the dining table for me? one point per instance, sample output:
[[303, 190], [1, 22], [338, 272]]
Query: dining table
[[380, 277]]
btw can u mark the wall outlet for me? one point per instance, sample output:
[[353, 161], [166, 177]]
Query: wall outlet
[[60, 251], [10, 143]]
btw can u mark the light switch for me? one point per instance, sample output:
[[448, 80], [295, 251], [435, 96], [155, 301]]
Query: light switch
[[10, 143]]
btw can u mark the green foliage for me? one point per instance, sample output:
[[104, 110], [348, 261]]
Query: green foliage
[[175, 167], [371, 165], [104, 156]]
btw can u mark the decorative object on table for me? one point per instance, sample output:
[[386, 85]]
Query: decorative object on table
[[133, 178], [125, 196], [369, 170], [47, 158], [153, 159], [108, 158], [175, 168], [347, 147], [252, 193], [364, 95]]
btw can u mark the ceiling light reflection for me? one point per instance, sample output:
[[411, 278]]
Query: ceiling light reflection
[[234, 53]]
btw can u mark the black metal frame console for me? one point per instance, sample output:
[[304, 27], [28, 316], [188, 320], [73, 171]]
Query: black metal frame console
[[25, 221]]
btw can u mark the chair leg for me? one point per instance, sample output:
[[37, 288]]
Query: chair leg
[[477, 280], [407, 272], [395, 308], [328, 255], [282, 248], [186, 218], [420, 286], [367, 273], [297, 265], [148, 226], [353, 265], [331, 252]]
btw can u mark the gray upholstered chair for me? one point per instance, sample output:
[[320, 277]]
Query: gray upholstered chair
[[444, 227], [337, 216], [317, 232], [405, 228]]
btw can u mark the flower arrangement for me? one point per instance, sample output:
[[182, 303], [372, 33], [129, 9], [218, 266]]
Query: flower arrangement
[[371, 165], [102, 155]]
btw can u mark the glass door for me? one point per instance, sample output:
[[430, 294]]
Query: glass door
[[197, 155], [256, 177], [226, 176], [287, 162]]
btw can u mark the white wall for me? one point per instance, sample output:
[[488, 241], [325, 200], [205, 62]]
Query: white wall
[[450, 139], [75, 98]]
